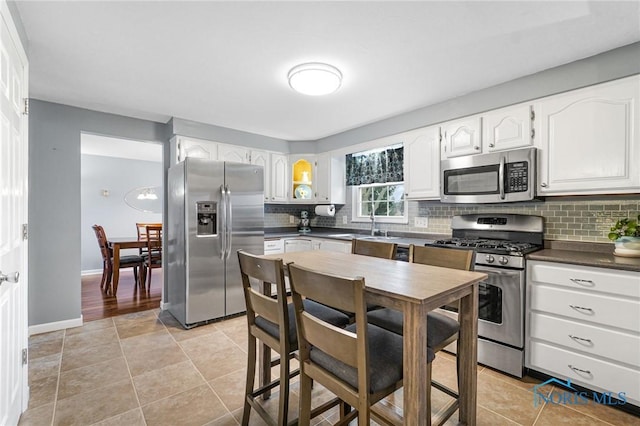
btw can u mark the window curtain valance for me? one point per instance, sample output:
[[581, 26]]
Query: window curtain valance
[[375, 166]]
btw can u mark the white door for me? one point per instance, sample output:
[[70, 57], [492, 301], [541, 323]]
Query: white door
[[13, 214]]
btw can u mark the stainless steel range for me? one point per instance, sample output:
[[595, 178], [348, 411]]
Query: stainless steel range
[[500, 241]]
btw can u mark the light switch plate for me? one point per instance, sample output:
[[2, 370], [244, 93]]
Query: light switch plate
[[421, 222], [292, 219], [344, 219]]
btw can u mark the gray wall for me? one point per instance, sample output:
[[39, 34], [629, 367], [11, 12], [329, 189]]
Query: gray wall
[[118, 176], [54, 201]]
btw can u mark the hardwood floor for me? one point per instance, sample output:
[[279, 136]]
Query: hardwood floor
[[97, 305]]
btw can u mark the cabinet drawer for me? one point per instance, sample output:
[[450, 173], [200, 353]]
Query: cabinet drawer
[[273, 246], [595, 308], [593, 340], [623, 283], [597, 374]]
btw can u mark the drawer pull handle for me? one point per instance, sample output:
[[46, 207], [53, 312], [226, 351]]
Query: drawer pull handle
[[579, 370], [581, 308], [580, 338], [588, 283]]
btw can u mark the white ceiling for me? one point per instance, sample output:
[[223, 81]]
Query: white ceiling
[[225, 63]]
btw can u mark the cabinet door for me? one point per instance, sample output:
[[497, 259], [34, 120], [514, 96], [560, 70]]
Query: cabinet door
[[198, 148], [339, 246], [330, 179], [303, 180], [236, 154], [422, 163], [279, 179], [507, 128], [462, 137], [261, 158], [590, 142]]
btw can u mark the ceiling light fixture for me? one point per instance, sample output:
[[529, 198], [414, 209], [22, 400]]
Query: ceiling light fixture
[[315, 78]]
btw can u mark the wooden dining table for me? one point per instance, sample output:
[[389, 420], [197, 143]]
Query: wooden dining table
[[414, 289], [117, 244]]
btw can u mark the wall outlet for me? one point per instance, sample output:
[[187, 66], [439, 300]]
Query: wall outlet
[[421, 222], [292, 219], [344, 219]]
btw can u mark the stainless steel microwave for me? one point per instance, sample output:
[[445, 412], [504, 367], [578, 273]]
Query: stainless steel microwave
[[498, 177]]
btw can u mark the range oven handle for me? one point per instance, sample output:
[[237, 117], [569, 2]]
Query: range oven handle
[[501, 176]]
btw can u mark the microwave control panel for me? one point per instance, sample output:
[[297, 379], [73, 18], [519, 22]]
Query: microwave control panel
[[517, 177]]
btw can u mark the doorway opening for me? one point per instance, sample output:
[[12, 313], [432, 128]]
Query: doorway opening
[[122, 184]]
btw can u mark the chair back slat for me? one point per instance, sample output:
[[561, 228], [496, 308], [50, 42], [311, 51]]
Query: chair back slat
[[262, 305], [336, 292], [442, 256], [332, 340], [379, 249]]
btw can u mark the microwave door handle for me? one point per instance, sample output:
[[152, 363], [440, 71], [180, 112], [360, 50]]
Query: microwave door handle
[[501, 177]]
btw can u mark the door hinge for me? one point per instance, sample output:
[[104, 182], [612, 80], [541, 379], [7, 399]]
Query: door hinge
[[533, 115], [25, 356], [25, 111], [533, 133], [25, 231]]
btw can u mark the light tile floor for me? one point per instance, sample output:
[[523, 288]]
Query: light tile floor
[[144, 369]]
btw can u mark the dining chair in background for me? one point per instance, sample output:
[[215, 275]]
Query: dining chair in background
[[141, 229], [381, 249], [131, 261], [361, 364], [271, 320], [441, 329], [152, 254]]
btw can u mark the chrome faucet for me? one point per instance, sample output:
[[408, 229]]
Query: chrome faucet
[[373, 223]]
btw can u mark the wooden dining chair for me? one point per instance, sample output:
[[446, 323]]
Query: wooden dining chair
[[133, 261], [441, 329], [271, 320], [382, 249], [141, 229], [360, 364], [153, 253]]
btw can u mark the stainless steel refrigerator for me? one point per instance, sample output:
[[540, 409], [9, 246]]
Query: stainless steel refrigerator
[[214, 209]]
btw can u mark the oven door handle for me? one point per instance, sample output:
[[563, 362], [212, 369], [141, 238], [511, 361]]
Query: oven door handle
[[501, 176]]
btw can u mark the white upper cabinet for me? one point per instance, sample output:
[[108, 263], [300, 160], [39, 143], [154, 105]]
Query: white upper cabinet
[[590, 140], [261, 158], [233, 153], [279, 178], [422, 163], [199, 148], [330, 177], [507, 128], [462, 137]]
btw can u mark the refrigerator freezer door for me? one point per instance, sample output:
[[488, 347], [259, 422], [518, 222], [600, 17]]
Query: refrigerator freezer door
[[205, 287], [245, 185]]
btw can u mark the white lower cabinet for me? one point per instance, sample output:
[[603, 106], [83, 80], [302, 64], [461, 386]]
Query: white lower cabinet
[[297, 244], [583, 324], [274, 246]]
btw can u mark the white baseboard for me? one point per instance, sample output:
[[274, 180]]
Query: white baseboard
[[164, 305], [91, 272], [55, 326]]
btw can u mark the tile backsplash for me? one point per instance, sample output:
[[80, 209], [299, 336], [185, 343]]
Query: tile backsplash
[[566, 218]]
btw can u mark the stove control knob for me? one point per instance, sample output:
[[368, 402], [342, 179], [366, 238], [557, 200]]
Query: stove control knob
[[503, 260], [489, 258]]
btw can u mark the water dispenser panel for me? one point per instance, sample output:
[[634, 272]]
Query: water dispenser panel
[[207, 212]]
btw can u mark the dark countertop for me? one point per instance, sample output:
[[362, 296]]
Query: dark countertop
[[403, 239], [586, 254]]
